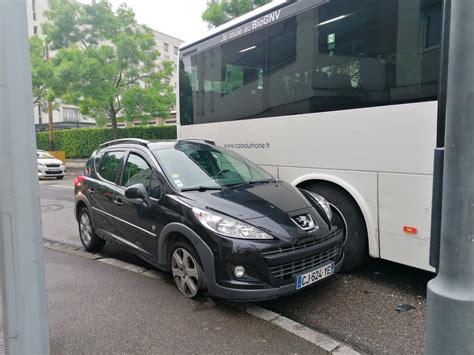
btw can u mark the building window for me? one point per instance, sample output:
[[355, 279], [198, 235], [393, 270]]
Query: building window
[[166, 46], [35, 30], [70, 114], [176, 50]]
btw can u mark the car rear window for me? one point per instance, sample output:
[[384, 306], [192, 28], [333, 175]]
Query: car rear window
[[88, 167]]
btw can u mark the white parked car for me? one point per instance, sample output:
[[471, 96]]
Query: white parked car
[[49, 166]]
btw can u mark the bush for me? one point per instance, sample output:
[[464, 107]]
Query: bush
[[81, 142]]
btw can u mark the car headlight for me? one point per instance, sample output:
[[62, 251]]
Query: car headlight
[[41, 165], [228, 226], [322, 202]]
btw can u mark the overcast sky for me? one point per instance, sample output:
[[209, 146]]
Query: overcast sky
[[178, 18]]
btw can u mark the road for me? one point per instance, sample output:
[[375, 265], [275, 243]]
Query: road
[[357, 308]]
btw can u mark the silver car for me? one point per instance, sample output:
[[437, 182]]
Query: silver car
[[49, 166]]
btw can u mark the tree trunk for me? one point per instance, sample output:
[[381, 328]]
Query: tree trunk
[[113, 119], [50, 126]]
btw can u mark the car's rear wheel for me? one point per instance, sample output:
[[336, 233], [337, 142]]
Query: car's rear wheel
[[186, 269], [89, 239], [348, 216]]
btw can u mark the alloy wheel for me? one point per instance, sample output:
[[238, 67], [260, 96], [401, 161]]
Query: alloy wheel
[[185, 272], [85, 229]]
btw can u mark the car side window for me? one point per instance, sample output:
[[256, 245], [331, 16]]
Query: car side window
[[110, 165], [137, 171], [97, 159], [88, 167]]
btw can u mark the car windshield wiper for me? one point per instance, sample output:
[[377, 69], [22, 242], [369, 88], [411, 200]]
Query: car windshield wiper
[[201, 188], [251, 182]]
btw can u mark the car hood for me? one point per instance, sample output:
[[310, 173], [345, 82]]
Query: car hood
[[268, 206], [251, 201], [49, 161]]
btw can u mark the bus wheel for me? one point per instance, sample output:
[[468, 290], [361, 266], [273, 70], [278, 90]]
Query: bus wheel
[[346, 214]]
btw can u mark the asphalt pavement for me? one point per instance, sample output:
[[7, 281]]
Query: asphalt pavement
[[357, 308]]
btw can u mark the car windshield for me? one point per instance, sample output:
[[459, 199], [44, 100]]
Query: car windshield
[[190, 165], [44, 155]]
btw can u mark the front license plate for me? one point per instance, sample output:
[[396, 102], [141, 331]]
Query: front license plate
[[54, 171], [311, 277]]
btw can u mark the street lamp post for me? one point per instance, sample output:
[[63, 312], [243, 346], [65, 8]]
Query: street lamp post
[[450, 298], [21, 254]]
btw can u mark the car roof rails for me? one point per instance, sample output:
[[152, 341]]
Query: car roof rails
[[142, 142], [197, 140]]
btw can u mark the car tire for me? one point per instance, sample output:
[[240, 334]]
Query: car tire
[[89, 239], [59, 177], [186, 269], [349, 215]]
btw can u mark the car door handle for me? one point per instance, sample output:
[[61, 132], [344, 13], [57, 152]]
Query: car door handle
[[92, 190], [118, 202]]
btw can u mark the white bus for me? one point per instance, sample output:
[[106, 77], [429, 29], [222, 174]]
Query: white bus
[[336, 96]]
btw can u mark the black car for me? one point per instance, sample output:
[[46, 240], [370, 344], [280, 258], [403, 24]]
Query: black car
[[212, 218]]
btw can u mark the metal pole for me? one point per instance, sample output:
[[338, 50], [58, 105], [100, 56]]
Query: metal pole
[[450, 299], [440, 136], [21, 253]]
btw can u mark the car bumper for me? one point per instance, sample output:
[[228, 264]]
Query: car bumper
[[266, 285], [48, 172], [255, 295]]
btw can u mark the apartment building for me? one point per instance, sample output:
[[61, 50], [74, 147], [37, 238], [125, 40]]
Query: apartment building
[[68, 116]]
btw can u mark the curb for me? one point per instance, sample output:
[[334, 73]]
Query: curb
[[325, 343]]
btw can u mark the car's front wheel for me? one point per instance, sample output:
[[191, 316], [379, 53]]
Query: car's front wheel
[[89, 239], [186, 269]]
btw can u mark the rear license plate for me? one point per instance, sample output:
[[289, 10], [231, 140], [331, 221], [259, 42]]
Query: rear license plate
[[311, 277]]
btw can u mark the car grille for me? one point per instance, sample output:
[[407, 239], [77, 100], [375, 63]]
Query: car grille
[[291, 248], [53, 165], [288, 270]]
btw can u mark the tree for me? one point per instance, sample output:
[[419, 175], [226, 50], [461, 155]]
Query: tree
[[106, 63], [220, 12], [42, 73]]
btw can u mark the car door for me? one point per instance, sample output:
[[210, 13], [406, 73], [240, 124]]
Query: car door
[[139, 221], [101, 191]]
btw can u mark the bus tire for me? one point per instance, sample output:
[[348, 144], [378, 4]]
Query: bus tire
[[356, 248]]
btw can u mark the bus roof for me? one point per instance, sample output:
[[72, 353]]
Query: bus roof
[[239, 20]]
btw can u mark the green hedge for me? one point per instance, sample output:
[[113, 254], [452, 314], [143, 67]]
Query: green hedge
[[81, 142]]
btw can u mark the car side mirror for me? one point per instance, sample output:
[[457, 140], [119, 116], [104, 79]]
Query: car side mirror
[[137, 191]]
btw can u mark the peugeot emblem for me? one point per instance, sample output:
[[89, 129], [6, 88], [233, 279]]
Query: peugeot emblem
[[304, 221]]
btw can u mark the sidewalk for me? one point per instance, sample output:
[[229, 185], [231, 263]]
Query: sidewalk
[[75, 163], [98, 308]]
